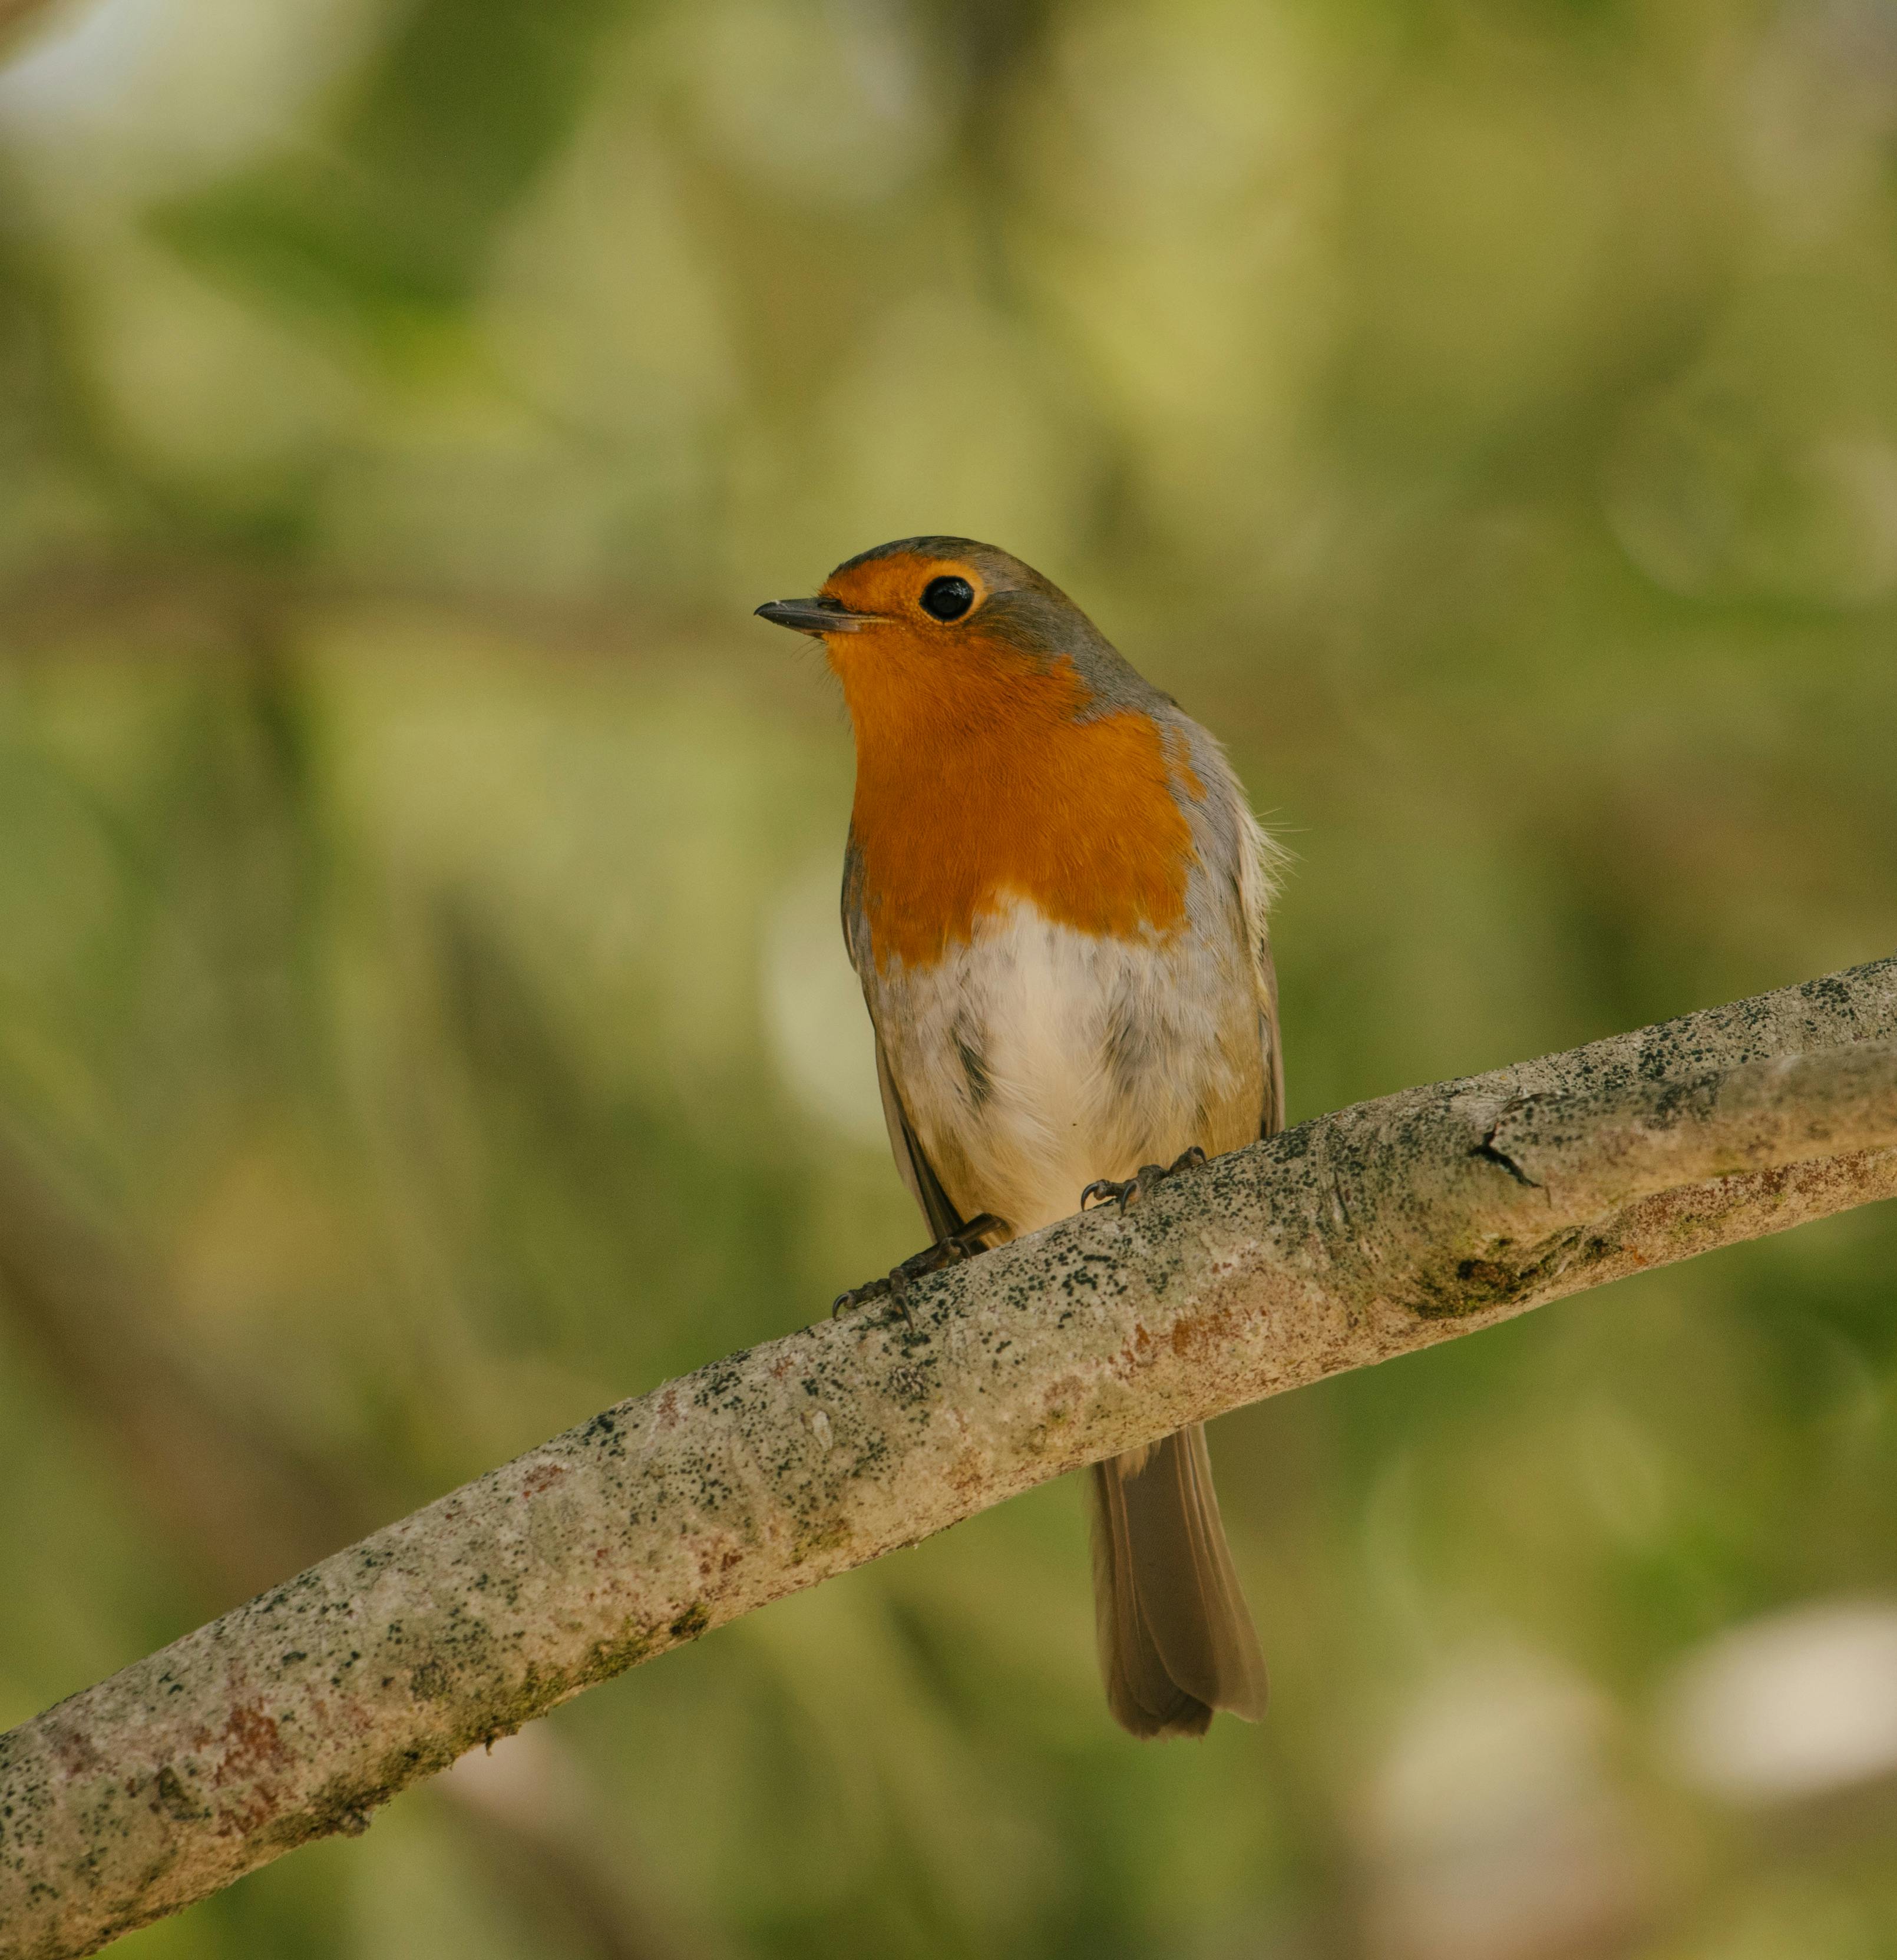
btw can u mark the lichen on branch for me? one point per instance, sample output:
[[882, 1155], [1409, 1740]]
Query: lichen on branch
[[1362, 1235]]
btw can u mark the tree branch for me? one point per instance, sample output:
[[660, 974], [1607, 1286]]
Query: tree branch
[[242, 1505], [1369, 1234]]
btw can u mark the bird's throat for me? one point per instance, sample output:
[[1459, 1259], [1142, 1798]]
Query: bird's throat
[[983, 783]]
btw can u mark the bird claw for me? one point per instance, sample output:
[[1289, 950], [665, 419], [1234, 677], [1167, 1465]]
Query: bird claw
[[847, 1302], [949, 1251], [1124, 1192]]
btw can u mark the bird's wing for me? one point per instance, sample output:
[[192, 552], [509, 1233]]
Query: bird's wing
[[1272, 1118], [924, 1186], [856, 925], [1255, 860]]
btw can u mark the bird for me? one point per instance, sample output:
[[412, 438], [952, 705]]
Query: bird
[[1055, 894]]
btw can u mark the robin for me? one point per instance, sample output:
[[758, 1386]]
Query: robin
[[1054, 894]]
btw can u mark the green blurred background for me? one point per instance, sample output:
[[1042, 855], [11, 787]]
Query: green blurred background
[[422, 1017]]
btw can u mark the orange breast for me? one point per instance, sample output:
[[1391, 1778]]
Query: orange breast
[[976, 784]]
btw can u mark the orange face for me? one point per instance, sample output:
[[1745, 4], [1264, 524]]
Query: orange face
[[930, 595], [982, 777]]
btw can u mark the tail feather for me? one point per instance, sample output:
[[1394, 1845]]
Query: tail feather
[[1175, 1639]]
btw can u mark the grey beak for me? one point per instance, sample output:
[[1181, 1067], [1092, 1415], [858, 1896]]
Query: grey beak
[[813, 615]]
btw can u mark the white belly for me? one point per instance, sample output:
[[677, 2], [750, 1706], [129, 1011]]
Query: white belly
[[1039, 1058]]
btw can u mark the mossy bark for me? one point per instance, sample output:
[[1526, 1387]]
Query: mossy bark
[[1368, 1233]]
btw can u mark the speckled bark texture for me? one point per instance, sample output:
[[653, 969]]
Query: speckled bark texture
[[1362, 1235]]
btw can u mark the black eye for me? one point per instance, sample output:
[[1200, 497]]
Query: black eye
[[947, 598]]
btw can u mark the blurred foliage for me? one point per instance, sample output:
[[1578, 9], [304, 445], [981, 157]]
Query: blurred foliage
[[417, 947]]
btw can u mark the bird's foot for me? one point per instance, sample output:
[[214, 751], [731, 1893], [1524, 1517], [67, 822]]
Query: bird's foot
[[1129, 1190], [950, 1251]]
